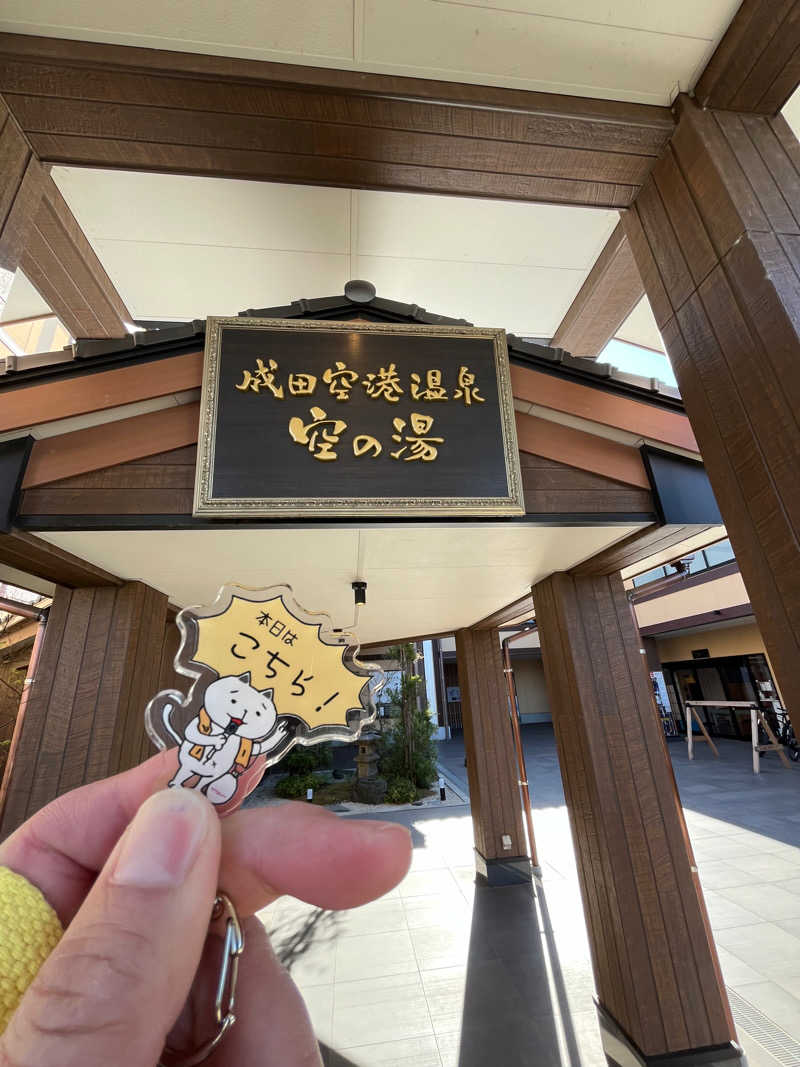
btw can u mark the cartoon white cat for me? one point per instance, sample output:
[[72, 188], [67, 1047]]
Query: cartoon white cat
[[237, 723]]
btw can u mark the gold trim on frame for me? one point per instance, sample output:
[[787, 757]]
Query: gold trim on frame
[[354, 507]]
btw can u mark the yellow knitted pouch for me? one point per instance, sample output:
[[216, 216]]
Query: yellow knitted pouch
[[29, 931]]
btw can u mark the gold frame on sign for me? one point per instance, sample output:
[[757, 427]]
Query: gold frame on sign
[[353, 507]]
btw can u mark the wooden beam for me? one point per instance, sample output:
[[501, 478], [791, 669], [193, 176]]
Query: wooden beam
[[81, 394], [163, 483], [104, 105], [637, 546], [552, 488], [375, 646], [623, 413], [21, 186], [39, 234], [611, 291], [520, 608], [576, 448], [30, 554], [63, 267], [97, 447], [756, 65], [35, 404]]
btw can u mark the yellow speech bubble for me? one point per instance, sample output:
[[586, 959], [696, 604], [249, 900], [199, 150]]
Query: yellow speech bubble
[[310, 677]]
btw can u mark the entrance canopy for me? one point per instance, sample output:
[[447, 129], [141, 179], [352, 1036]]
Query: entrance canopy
[[111, 475]]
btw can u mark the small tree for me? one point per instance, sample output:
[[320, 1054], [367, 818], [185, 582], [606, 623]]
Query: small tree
[[407, 749]]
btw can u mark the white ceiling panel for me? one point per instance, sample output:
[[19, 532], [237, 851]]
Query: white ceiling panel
[[180, 209], [639, 50], [679, 17], [640, 327], [791, 112], [23, 301], [573, 47], [307, 32], [179, 247], [410, 226], [529, 301], [191, 281], [425, 579]]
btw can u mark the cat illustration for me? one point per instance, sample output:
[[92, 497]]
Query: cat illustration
[[237, 723]]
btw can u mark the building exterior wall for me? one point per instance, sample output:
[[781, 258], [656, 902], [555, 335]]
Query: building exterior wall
[[730, 640], [534, 703], [724, 592]]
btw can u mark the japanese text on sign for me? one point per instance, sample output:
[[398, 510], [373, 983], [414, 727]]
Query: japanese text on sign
[[308, 677], [322, 432]]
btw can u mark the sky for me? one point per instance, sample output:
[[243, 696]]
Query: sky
[[635, 360]]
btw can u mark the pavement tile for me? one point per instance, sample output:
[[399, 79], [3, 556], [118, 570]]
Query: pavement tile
[[411, 1052], [767, 899], [381, 916], [319, 1001], [717, 874], [736, 971], [426, 883], [374, 955], [369, 992], [395, 1019], [768, 868], [723, 913], [776, 1002], [445, 909], [446, 973], [765, 946]]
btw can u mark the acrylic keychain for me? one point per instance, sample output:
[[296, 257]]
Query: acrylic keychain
[[266, 675]]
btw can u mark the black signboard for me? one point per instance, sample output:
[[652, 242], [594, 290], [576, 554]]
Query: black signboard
[[355, 419]]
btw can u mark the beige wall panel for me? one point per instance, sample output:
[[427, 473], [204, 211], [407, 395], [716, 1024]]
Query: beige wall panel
[[534, 703], [727, 592], [740, 640]]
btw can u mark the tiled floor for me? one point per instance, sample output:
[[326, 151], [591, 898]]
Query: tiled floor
[[441, 973]]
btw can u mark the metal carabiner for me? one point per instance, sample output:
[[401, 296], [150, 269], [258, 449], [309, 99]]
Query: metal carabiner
[[226, 984]]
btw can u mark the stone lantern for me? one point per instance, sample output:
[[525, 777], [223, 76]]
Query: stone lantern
[[369, 787]]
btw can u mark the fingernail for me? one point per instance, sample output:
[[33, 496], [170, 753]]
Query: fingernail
[[161, 845]]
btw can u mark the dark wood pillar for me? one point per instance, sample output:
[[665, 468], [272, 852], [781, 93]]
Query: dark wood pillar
[[100, 662], [656, 969], [716, 235], [500, 849]]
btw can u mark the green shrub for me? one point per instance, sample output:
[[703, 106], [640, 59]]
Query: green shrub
[[393, 750], [401, 791], [407, 749], [295, 785], [302, 760]]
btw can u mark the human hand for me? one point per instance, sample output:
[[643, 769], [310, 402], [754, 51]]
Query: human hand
[[133, 881]]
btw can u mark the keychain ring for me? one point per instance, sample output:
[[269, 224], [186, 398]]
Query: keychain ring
[[226, 983]]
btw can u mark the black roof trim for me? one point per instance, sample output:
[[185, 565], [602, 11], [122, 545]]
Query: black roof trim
[[171, 521], [92, 355]]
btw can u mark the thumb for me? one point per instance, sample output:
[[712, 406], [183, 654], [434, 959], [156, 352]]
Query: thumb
[[116, 982]]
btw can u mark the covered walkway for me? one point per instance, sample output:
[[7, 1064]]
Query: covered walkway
[[443, 973]]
